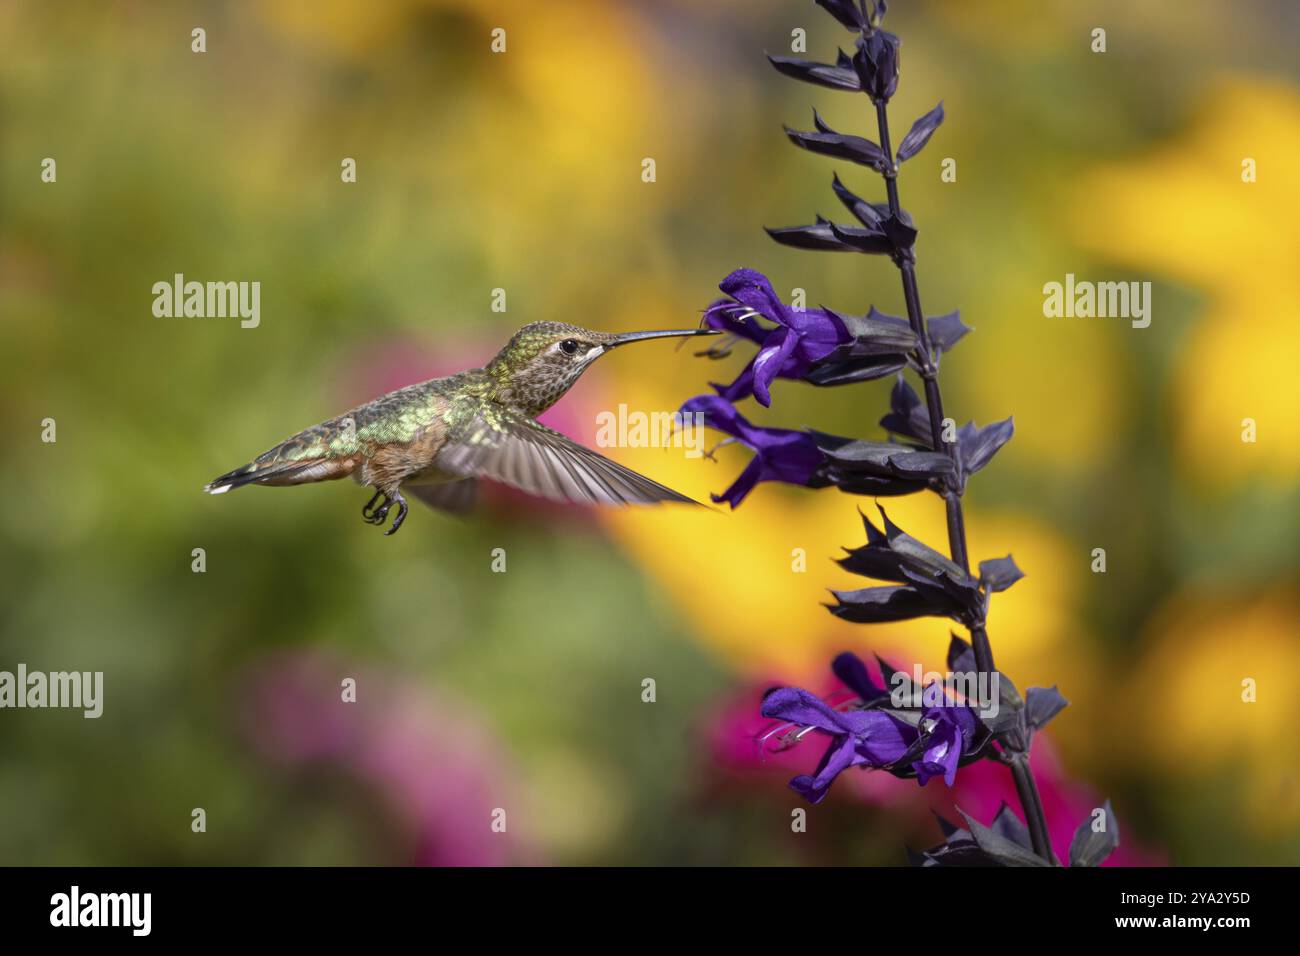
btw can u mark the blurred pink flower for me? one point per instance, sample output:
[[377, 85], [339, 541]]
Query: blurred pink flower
[[439, 773]]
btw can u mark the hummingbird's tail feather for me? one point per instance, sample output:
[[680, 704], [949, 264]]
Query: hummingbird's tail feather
[[231, 479], [280, 473], [320, 453]]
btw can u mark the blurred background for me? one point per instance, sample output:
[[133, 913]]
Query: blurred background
[[522, 691]]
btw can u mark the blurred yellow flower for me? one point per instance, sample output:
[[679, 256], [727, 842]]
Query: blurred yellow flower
[[337, 27], [543, 140], [1192, 716], [1186, 212], [1043, 372]]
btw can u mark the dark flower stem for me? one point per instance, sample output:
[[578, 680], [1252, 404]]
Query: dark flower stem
[[1026, 787], [1027, 790]]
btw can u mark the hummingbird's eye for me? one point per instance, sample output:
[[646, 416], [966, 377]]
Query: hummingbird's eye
[[569, 346]]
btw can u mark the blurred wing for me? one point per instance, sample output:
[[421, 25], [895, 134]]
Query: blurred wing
[[453, 497], [518, 451]]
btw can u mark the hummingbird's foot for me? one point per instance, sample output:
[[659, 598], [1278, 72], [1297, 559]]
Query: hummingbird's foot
[[378, 513], [401, 511], [370, 512]]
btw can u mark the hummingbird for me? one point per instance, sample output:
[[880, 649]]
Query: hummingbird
[[435, 439]]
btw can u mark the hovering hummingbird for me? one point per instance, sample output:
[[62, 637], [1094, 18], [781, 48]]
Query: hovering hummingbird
[[438, 437]]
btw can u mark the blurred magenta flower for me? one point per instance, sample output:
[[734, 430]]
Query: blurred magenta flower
[[433, 768]]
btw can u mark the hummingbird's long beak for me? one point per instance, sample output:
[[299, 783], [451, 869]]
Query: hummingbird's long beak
[[626, 337]]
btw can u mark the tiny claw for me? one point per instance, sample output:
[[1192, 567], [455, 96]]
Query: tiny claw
[[377, 516], [401, 515], [367, 508]]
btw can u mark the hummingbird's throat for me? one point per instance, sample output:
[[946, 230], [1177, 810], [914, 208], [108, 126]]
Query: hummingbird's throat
[[537, 387]]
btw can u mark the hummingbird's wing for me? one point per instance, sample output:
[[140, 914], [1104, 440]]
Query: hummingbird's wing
[[515, 450], [453, 497]]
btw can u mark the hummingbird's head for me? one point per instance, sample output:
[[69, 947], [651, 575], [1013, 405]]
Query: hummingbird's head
[[543, 360]]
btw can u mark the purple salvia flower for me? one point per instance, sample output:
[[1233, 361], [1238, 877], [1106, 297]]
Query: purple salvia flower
[[952, 730], [854, 675], [780, 454], [858, 737], [953, 727], [801, 338]]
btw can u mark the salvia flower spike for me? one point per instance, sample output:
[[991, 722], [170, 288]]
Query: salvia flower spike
[[898, 726]]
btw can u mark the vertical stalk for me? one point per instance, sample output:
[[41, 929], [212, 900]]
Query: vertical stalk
[[1026, 787], [1027, 790], [933, 397]]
